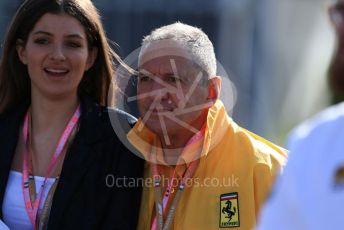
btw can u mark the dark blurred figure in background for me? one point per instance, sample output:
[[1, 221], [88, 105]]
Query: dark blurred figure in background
[[336, 70]]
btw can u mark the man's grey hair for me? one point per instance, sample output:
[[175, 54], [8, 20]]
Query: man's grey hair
[[192, 38]]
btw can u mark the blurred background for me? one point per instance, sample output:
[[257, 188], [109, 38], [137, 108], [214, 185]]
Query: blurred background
[[276, 52]]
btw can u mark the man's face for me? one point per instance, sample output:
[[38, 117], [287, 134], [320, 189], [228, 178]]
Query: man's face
[[172, 93]]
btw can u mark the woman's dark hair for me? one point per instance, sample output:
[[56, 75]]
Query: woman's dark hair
[[14, 78]]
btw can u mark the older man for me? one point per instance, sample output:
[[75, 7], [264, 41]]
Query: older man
[[208, 172]]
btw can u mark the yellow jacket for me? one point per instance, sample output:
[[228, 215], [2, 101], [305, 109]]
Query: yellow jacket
[[233, 178]]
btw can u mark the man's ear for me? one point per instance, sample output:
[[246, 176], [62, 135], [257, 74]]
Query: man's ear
[[92, 56], [214, 88], [21, 51]]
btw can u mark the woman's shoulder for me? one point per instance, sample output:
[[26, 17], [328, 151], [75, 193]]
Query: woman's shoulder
[[120, 116], [107, 128], [114, 119], [106, 115], [14, 115], [105, 123]]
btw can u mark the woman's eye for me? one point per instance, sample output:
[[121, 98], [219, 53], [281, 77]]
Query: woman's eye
[[74, 44], [41, 41]]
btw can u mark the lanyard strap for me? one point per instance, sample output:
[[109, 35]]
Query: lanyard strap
[[42, 222], [31, 201], [161, 204]]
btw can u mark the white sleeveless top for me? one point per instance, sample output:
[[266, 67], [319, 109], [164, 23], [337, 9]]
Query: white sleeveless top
[[13, 207]]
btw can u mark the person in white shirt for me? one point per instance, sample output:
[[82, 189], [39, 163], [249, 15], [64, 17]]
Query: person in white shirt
[[310, 193]]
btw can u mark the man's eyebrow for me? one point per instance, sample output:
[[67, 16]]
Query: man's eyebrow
[[171, 74], [144, 72]]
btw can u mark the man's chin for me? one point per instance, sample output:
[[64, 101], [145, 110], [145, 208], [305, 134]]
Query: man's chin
[[160, 129]]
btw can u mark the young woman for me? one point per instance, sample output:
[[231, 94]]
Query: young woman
[[57, 146]]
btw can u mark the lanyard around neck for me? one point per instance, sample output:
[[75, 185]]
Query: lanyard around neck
[[31, 201], [161, 203]]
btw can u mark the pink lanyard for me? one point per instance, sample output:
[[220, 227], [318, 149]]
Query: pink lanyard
[[32, 208], [161, 207]]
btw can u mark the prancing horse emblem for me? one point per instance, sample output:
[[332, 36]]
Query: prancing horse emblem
[[228, 210]]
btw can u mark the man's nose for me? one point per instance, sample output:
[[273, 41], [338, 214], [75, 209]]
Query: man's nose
[[161, 90]]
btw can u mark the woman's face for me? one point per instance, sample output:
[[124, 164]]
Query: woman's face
[[57, 55]]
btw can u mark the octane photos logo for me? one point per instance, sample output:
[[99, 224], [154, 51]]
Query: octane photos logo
[[127, 98]]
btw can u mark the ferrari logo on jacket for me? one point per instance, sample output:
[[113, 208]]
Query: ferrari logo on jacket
[[229, 210]]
